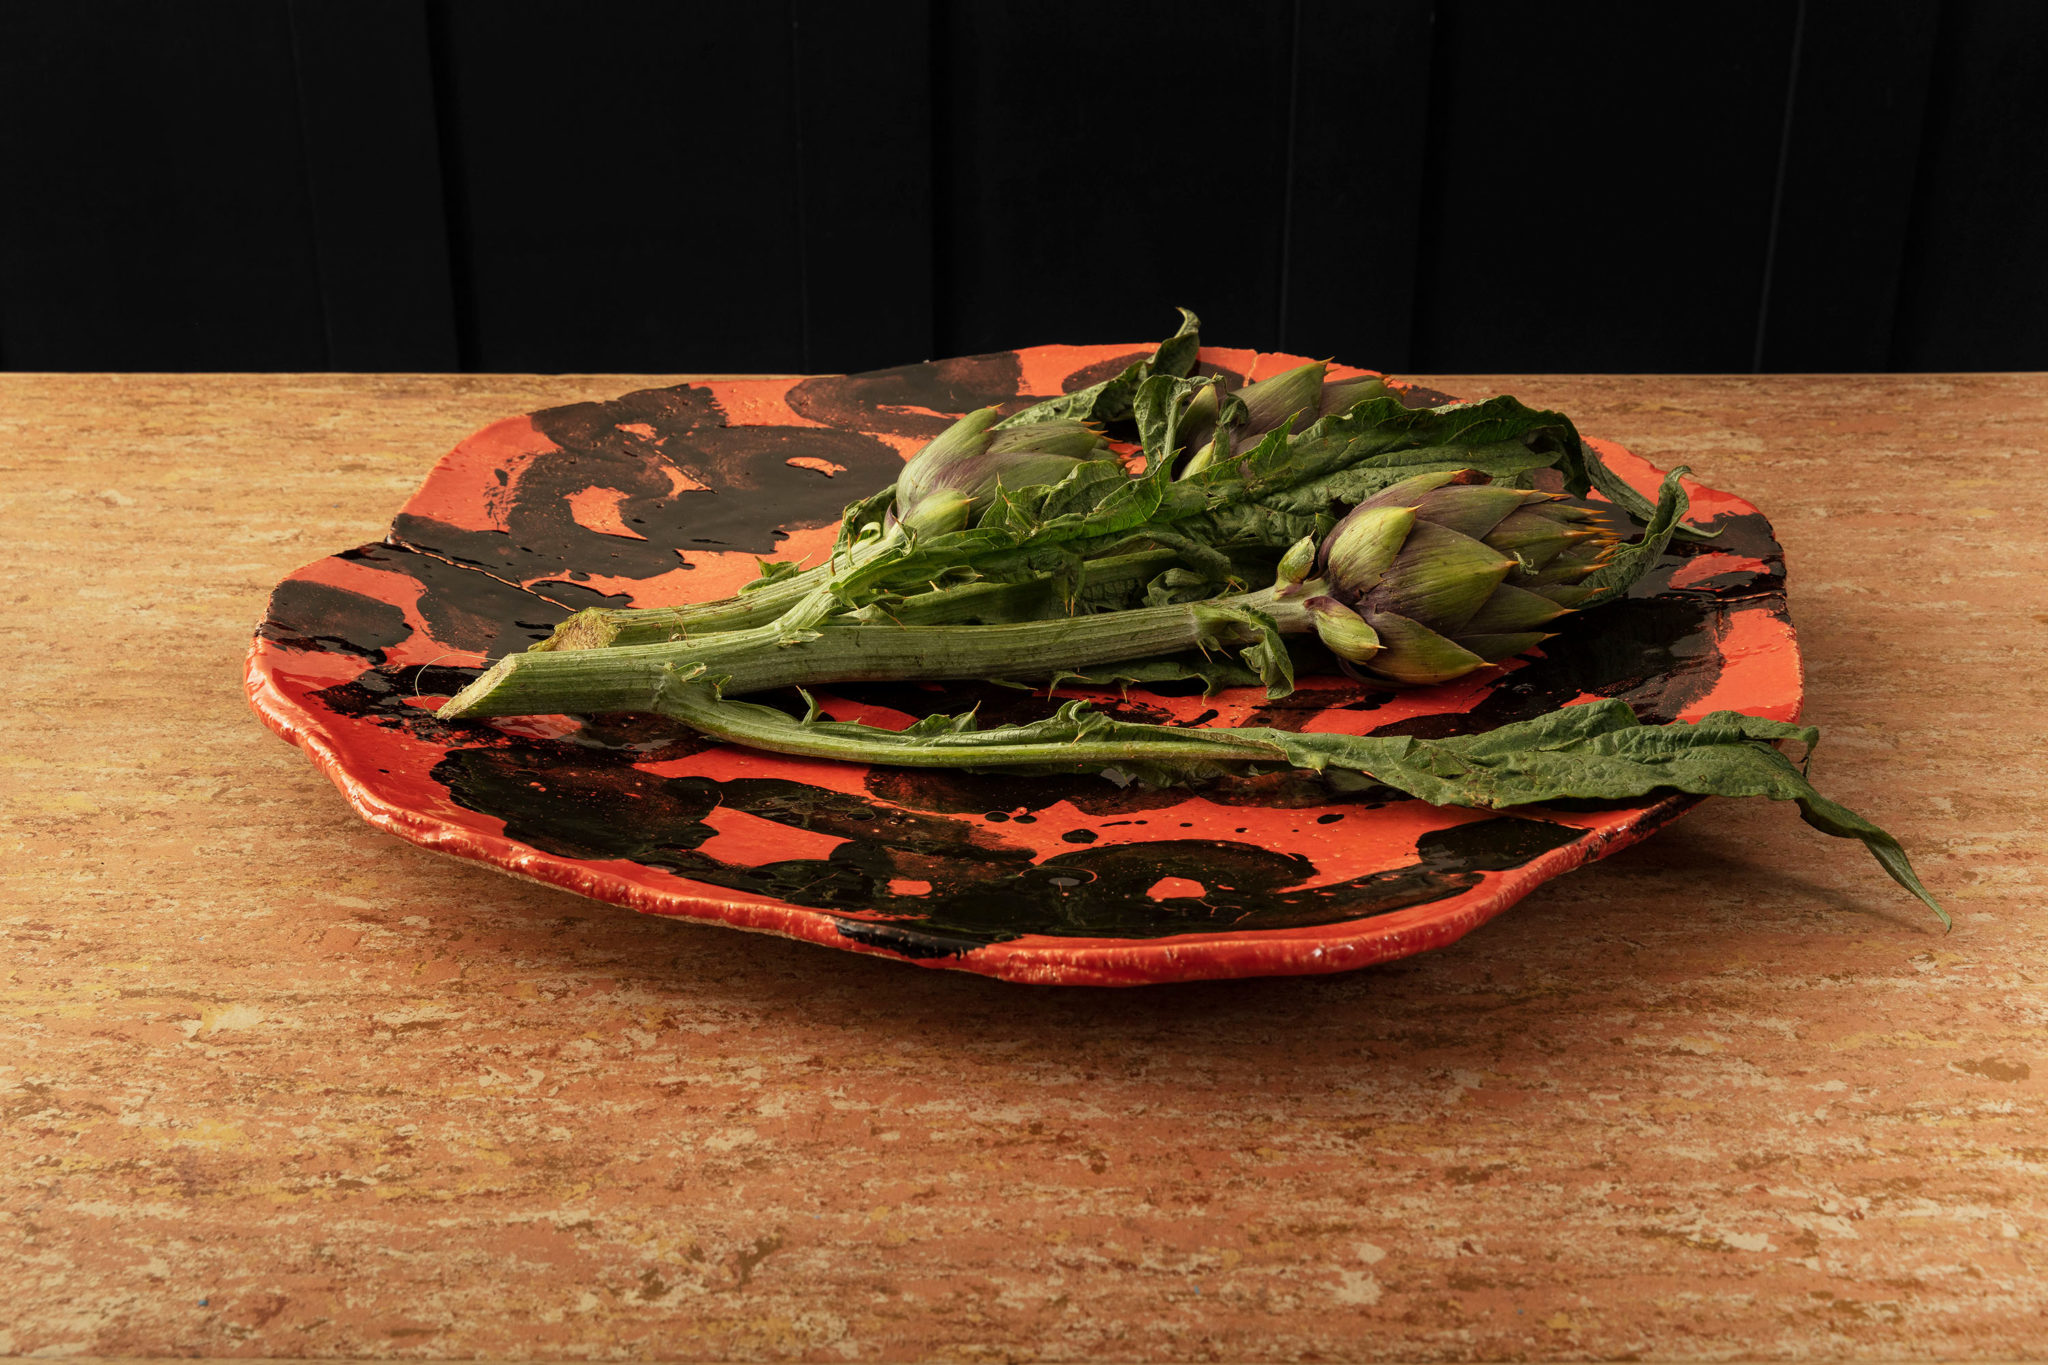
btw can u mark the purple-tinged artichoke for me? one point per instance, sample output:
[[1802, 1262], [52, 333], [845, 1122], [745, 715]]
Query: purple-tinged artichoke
[[1300, 395], [946, 484], [1443, 574]]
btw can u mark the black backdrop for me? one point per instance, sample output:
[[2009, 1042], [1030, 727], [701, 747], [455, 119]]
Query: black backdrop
[[822, 185]]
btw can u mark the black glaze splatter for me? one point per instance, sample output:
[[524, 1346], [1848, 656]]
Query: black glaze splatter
[[315, 616], [471, 611], [886, 400], [1747, 536], [751, 494], [392, 699], [983, 888], [1659, 655], [1106, 891], [580, 809], [1297, 709], [847, 816], [600, 427], [544, 792], [1102, 371], [464, 610], [961, 793], [382, 697], [966, 793]]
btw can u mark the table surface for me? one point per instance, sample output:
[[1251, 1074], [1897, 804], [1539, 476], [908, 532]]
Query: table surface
[[277, 1084]]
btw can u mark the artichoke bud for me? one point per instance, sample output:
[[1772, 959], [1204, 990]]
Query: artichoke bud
[[1296, 563], [1566, 595], [967, 464], [1343, 630], [1198, 417], [965, 439], [1360, 548], [1573, 566], [1474, 510], [1505, 645], [1342, 395], [1216, 416], [1075, 440], [939, 511], [1413, 655], [968, 436], [1214, 424], [1441, 577], [1540, 532], [1451, 573], [1410, 491], [1271, 402]]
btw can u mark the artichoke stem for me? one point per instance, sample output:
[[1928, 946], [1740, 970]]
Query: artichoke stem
[[630, 678]]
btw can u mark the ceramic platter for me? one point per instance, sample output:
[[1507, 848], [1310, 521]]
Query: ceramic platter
[[669, 495]]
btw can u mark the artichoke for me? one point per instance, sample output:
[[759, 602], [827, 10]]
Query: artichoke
[[1444, 573], [947, 483], [1300, 395], [1342, 395]]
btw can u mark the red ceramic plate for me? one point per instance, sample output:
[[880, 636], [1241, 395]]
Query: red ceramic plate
[[669, 495]]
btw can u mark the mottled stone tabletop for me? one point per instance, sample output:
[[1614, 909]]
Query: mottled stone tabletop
[[276, 1084]]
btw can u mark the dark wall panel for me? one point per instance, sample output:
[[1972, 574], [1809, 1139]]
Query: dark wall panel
[[1099, 164], [1360, 140], [1852, 153], [826, 185], [864, 95], [155, 211], [1598, 197], [373, 177], [623, 185], [1975, 292]]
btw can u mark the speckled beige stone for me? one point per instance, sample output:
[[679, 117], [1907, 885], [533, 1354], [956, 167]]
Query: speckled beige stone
[[275, 1084]]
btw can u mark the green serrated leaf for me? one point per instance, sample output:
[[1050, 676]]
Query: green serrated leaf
[[1111, 400], [1584, 470], [1631, 561], [1214, 674], [1598, 751], [771, 571], [1222, 626], [863, 518]]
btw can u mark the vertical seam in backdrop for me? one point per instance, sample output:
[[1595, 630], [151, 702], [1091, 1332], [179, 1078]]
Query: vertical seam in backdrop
[[1287, 200], [321, 284], [455, 232], [803, 222], [1763, 303], [1428, 187]]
